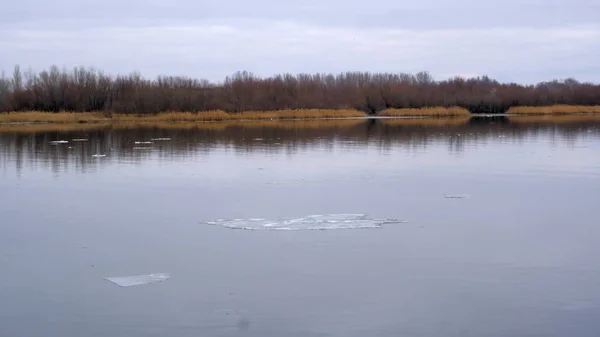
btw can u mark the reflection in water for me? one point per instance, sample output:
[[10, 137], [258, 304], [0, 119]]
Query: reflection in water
[[68, 146], [500, 239]]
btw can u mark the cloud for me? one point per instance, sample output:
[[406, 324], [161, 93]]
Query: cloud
[[406, 14], [206, 39]]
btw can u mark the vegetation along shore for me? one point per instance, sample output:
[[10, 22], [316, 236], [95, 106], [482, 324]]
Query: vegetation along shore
[[86, 95]]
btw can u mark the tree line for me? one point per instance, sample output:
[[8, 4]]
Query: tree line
[[87, 89]]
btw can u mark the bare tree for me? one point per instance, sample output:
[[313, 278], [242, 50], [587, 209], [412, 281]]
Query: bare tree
[[87, 89]]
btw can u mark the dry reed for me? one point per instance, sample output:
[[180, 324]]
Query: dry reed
[[51, 127], [217, 126], [430, 111], [204, 116], [555, 119], [51, 117], [219, 115], [298, 114], [554, 109]]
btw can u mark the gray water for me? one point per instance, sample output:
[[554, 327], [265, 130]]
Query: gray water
[[498, 230]]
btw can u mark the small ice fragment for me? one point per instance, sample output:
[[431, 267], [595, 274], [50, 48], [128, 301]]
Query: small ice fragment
[[144, 143], [98, 155], [141, 148], [258, 139], [164, 138], [56, 142], [136, 280], [456, 196], [310, 222], [79, 140]]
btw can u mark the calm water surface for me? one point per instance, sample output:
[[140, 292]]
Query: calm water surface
[[517, 256]]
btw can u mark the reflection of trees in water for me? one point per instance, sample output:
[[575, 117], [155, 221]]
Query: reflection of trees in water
[[33, 149]]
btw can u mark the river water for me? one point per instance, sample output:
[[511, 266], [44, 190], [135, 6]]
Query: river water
[[480, 227]]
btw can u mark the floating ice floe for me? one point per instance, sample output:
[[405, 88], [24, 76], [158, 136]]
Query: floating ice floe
[[98, 155], [311, 222], [144, 143], [158, 139], [456, 196], [79, 140], [136, 280], [56, 142]]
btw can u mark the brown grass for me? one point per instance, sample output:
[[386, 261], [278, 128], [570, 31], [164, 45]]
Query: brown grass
[[205, 116], [299, 114], [51, 127], [554, 109], [562, 119], [217, 126], [50, 117], [431, 112], [219, 115]]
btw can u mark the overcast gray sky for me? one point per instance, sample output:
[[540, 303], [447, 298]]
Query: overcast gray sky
[[510, 40]]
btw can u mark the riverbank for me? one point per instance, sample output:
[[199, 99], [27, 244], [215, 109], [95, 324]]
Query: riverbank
[[204, 116], [558, 109], [303, 114], [280, 124], [216, 115]]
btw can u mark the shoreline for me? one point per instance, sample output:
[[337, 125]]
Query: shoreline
[[220, 116], [443, 122], [39, 117]]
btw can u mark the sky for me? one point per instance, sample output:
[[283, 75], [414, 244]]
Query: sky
[[524, 41]]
